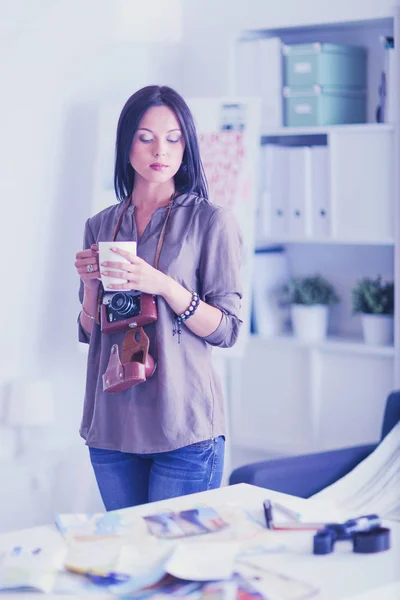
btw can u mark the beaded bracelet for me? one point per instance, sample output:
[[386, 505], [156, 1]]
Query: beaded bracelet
[[191, 309]]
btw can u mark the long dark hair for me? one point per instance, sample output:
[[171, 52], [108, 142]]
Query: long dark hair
[[191, 177]]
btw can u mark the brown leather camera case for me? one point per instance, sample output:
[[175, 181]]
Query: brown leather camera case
[[148, 314], [136, 364]]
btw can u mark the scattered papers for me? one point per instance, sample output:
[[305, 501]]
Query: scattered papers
[[162, 555], [203, 562], [373, 486], [221, 590], [301, 510], [94, 527], [104, 557], [227, 522], [121, 544], [168, 587], [243, 585], [124, 524], [196, 521], [30, 569], [273, 585], [246, 527]]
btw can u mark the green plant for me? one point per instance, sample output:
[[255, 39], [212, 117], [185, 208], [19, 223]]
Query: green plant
[[310, 290], [373, 296]]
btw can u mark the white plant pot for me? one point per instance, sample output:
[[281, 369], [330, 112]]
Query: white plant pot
[[310, 323], [377, 329]]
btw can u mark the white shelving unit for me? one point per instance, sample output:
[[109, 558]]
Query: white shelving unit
[[288, 239], [359, 166], [338, 344], [306, 131], [308, 397]]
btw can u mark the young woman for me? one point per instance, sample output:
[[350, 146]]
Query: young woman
[[164, 437]]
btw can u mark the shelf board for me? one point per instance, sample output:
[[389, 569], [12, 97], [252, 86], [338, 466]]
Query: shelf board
[[269, 241], [336, 344], [302, 29], [324, 130]]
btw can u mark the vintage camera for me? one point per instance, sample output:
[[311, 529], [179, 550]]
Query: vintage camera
[[121, 305], [121, 311]]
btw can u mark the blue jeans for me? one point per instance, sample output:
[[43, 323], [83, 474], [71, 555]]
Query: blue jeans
[[126, 479]]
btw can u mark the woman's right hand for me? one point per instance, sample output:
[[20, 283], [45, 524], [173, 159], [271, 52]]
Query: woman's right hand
[[87, 265]]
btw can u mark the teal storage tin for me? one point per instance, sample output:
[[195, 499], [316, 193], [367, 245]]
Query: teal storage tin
[[323, 106], [323, 64]]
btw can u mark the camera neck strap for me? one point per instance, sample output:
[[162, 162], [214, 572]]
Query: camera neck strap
[[162, 234], [158, 249]]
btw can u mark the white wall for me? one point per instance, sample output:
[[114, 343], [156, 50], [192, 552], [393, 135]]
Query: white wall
[[56, 71], [61, 59]]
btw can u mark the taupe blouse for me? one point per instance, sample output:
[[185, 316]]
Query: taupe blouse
[[182, 402]]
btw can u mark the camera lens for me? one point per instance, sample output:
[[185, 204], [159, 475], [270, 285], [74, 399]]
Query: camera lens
[[125, 305]]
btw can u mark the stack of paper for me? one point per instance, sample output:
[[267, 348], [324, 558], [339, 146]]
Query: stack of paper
[[373, 486]]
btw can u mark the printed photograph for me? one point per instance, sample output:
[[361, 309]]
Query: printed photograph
[[163, 525], [186, 523], [205, 517]]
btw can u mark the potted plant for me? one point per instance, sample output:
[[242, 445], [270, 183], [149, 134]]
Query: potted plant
[[374, 300], [310, 298]]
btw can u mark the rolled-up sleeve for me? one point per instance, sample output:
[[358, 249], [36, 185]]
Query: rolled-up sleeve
[[88, 240], [220, 275]]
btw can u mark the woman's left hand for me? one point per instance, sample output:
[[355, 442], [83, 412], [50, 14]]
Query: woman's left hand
[[140, 275]]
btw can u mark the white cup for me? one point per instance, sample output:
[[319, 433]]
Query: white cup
[[106, 255]]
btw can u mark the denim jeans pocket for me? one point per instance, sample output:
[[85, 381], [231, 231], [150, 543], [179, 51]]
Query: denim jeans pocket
[[103, 453], [202, 445]]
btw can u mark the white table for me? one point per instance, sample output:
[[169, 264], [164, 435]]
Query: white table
[[342, 575]]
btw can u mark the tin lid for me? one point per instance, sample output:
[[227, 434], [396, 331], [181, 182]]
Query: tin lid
[[322, 48], [323, 90]]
